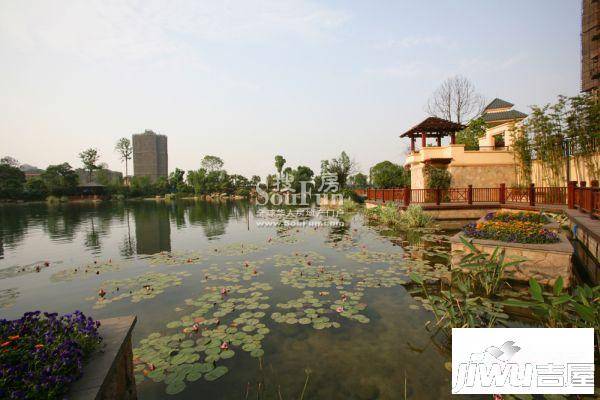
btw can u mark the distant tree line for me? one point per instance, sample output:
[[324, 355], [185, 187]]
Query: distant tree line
[[61, 180]]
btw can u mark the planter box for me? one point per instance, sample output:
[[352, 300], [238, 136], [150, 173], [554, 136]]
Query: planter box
[[109, 373], [544, 262]]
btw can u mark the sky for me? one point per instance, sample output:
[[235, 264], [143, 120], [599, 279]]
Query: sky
[[251, 79]]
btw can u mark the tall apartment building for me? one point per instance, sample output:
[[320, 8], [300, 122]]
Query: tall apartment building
[[150, 156], [590, 45]]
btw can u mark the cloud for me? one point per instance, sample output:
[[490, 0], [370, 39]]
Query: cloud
[[414, 41], [143, 30], [478, 64], [403, 71]]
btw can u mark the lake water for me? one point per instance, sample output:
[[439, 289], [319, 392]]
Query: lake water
[[324, 311]]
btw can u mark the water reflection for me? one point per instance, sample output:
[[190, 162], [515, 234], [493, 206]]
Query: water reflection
[[152, 228], [144, 227]]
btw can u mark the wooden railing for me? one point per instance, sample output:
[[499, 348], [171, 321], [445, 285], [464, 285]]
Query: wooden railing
[[531, 195], [584, 198]]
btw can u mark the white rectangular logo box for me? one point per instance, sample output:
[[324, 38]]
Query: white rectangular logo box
[[522, 360]]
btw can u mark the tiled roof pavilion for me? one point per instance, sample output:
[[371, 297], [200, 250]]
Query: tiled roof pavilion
[[433, 127]]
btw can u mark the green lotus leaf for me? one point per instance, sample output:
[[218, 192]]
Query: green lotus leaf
[[174, 324], [216, 373], [173, 377], [227, 354], [257, 353], [212, 358], [193, 376], [205, 367], [212, 350], [175, 387]]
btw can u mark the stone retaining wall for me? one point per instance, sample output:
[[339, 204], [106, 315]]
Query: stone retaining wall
[[544, 262], [108, 375]]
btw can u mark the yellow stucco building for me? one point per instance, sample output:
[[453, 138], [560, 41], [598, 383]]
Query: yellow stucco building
[[491, 165]]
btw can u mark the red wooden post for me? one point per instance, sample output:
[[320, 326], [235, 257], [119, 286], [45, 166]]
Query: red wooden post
[[438, 196], [502, 195], [406, 197], [470, 194], [571, 195], [423, 140], [589, 194], [532, 194]]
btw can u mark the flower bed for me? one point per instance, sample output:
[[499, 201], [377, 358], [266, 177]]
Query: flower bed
[[523, 216], [42, 353], [501, 227]]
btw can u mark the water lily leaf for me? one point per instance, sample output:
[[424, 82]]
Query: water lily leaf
[[227, 354], [175, 387], [216, 373], [257, 353]]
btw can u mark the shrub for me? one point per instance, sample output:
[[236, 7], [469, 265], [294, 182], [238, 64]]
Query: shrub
[[437, 178], [43, 353], [351, 194], [52, 200], [349, 205], [415, 217]]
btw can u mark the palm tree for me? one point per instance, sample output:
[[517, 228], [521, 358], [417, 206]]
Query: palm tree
[[123, 147], [279, 163]]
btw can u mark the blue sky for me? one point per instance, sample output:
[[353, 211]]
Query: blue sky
[[247, 80]]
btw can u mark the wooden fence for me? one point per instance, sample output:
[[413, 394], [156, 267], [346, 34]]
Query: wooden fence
[[495, 195], [585, 198], [575, 196]]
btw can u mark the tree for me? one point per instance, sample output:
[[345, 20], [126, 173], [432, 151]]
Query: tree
[[359, 180], [437, 178], [11, 181], [386, 174], [123, 147], [271, 179], [342, 166], [89, 158], [470, 136], [176, 182], [60, 180], [279, 163], [455, 100], [13, 162], [35, 188], [301, 174], [212, 163]]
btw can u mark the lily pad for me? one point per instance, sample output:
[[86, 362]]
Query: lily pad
[[216, 373]]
